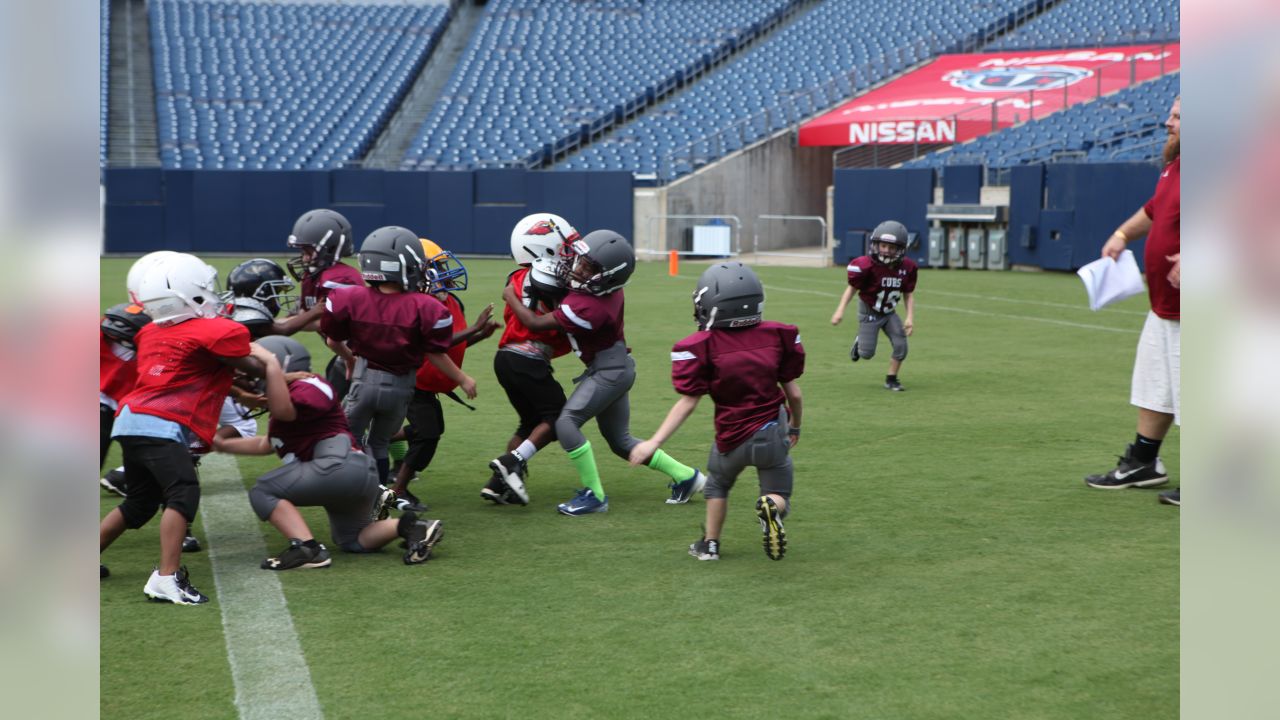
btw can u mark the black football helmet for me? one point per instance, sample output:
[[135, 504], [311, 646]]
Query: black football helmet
[[600, 263], [728, 295], [893, 233], [323, 237], [122, 322], [394, 254], [263, 280]]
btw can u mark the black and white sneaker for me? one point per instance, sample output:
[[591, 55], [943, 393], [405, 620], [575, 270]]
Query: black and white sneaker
[[190, 544], [853, 352], [496, 490], [1172, 497], [113, 482], [407, 501], [175, 588], [1130, 473], [775, 536], [513, 472], [385, 503], [893, 385], [422, 536], [705, 549], [299, 555]]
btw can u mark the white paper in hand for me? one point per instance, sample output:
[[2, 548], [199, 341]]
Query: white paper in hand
[[1108, 280]]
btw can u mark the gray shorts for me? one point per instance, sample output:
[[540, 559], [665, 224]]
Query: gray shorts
[[768, 451], [602, 393], [376, 405], [341, 480], [869, 326]]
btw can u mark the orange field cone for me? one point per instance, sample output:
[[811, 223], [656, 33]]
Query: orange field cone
[[673, 264]]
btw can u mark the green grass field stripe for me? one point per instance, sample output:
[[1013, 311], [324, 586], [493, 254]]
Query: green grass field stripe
[[270, 673]]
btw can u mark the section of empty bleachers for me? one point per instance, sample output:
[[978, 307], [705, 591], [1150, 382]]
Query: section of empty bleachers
[[1088, 23], [878, 38], [1124, 126], [281, 85], [539, 77]]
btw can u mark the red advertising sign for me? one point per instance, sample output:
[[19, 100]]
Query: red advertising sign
[[959, 97]]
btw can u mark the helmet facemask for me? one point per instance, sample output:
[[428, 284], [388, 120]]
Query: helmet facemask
[[888, 253]]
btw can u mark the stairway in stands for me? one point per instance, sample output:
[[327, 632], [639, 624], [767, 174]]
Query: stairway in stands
[[131, 102]]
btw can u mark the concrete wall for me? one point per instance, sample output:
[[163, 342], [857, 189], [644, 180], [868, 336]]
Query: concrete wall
[[774, 177]]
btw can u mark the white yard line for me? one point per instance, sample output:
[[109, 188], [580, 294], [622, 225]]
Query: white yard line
[[930, 306], [268, 668], [990, 298]]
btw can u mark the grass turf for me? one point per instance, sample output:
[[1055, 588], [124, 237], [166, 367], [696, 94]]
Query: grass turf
[[945, 559]]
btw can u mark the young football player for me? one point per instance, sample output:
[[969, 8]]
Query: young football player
[[523, 361], [591, 314], [117, 374], [186, 360], [749, 367], [323, 467], [258, 292], [322, 237], [446, 275], [881, 280], [385, 331]]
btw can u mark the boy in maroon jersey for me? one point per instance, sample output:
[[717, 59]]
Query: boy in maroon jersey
[[749, 367], [323, 466], [186, 360], [424, 415], [591, 314], [118, 373], [881, 280], [388, 328], [523, 361]]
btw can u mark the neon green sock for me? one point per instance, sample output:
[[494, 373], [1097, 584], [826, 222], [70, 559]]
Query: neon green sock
[[670, 467], [585, 462], [397, 449]]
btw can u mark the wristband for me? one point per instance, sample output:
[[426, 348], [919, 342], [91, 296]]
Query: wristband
[[795, 431], [1123, 237]]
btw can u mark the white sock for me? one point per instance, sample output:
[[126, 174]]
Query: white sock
[[526, 451]]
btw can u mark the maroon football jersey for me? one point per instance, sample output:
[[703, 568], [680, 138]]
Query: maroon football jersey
[[882, 286], [1164, 239], [591, 322], [320, 417], [741, 369], [315, 288], [393, 331]]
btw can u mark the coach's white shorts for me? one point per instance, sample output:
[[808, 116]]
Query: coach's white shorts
[[1158, 365], [233, 415]]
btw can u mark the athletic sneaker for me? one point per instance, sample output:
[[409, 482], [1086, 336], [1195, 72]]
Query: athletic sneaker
[[584, 502], [113, 482], [775, 536], [512, 471], [175, 588], [685, 489], [705, 549], [1130, 473], [893, 385], [407, 501], [190, 544], [1172, 497], [299, 555], [496, 490], [422, 536], [853, 352], [386, 503]]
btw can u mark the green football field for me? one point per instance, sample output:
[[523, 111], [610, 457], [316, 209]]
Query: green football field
[[945, 559]]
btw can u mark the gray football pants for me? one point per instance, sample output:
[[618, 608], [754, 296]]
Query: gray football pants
[[768, 451], [602, 393], [376, 406], [869, 326]]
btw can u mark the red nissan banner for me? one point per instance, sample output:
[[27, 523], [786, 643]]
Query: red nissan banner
[[959, 97]]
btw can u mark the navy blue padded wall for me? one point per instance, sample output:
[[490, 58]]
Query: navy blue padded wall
[[252, 211], [865, 197], [1103, 196], [1026, 196], [962, 184]]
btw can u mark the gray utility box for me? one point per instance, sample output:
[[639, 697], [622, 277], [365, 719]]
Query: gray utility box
[[955, 247], [975, 259], [937, 247], [997, 249]]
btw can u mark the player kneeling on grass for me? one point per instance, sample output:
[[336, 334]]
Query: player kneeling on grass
[[882, 279], [749, 367], [323, 466]]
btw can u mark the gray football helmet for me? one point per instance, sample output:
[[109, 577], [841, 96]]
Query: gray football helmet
[[293, 355], [728, 295], [599, 263], [895, 234], [394, 254]]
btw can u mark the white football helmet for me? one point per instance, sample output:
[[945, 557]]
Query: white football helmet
[[540, 236], [142, 266], [177, 288]]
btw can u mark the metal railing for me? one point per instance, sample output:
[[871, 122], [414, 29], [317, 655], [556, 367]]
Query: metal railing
[[735, 234], [823, 245]]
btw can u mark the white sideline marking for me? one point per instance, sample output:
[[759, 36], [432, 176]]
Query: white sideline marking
[[267, 666], [1015, 301], [1051, 321]]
